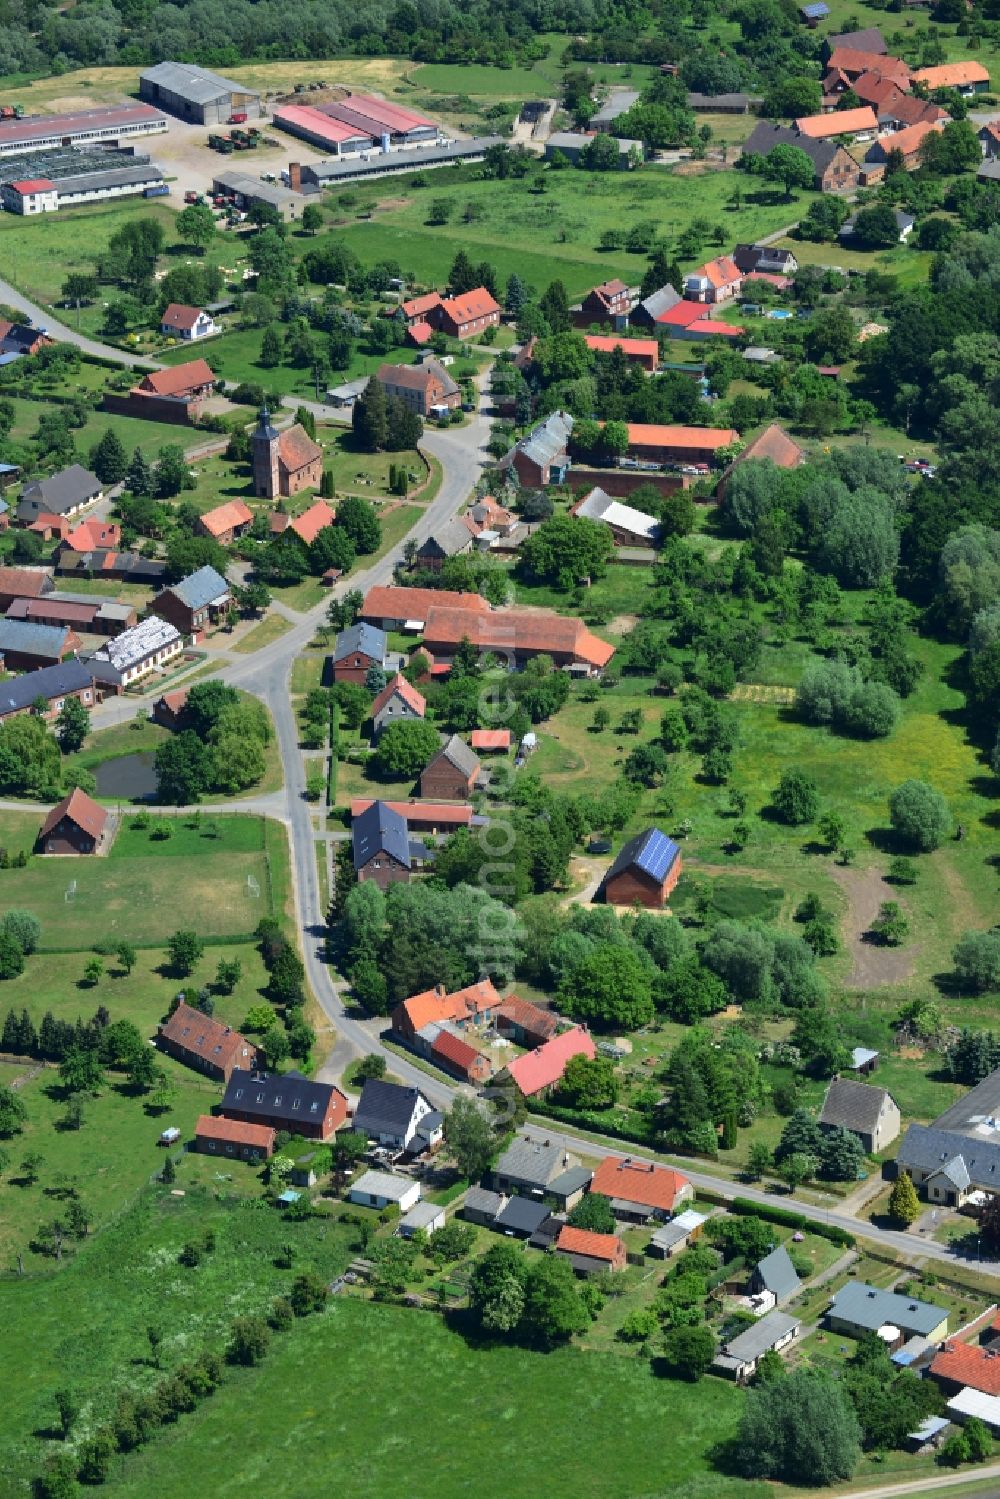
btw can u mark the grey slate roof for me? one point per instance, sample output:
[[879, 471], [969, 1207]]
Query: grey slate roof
[[291, 1096], [385, 1108], [71, 486], [378, 829], [430, 1123], [457, 753], [778, 1275], [976, 1110], [85, 182], [868, 39], [409, 160], [756, 1340], [852, 1105], [570, 1181], [718, 101], [50, 681], [200, 85], [34, 640], [661, 301], [766, 136], [200, 588], [928, 1148], [956, 1172], [482, 1200], [534, 1161], [367, 639], [618, 102], [448, 540], [522, 1216], [547, 441], [870, 1308]]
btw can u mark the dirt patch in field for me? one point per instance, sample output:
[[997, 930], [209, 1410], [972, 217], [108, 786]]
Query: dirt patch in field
[[392, 205], [873, 967], [911, 1053], [623, 624], [761, 692]]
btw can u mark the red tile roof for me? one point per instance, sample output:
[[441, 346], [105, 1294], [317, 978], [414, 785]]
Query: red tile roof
[[178, 316], [399, 685], [632, 1180], [531, 1018], [178, 380], [683, 314], [774, 443], [490, 739], [851, 60], [455, 1050], [608, 290], [418, 306], [872, 88], [445, 814], [710, 439], [312, 521], [33, 185], [226, 517], [435, 1004], [518, 630], [235, 1132], [23, 582], [297, 449], [309, 118], [907, 141], [471, 305], [386, 602], [969, 1365], [840, 122], [191, 1031], [79, 808], [420, 333], [952, 75], [545, 1066], [594, 1246], [90, 535], [638, 348], [707, 327], [722, 271]]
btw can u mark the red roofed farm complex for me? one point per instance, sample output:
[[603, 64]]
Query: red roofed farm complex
[[539, 1070]]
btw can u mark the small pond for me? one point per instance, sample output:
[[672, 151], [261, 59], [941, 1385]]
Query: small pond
[[129, 777]]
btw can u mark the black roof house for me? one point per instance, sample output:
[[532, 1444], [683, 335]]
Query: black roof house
[[386, 1108], [290, 1096]]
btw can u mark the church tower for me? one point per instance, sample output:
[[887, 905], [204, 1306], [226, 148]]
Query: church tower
[[266, 473]]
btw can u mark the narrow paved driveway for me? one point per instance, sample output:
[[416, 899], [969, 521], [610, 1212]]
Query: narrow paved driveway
[[45, 317]]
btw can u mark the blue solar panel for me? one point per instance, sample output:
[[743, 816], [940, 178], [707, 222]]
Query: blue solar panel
[[656, 853]]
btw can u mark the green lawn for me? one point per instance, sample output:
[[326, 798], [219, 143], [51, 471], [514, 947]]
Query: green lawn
[[133, 431], [525, 1409], [236, 356], [146, 889], [554, 234], [266, 633]]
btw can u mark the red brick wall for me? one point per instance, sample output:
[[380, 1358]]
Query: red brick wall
[[388, 873], [621, 482], [443, 783], [629, 888]]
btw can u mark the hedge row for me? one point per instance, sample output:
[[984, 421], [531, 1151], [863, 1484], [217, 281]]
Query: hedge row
[[331, 786], [790, 1219]]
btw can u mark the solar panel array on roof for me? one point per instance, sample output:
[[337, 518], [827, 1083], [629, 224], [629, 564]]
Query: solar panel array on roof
[[656, 853]]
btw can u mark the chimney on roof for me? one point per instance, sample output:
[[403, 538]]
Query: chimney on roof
[[295, 176]]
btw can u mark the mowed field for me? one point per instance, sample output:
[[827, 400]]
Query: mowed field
[[144, 890], [511, 1419], [554, 234]]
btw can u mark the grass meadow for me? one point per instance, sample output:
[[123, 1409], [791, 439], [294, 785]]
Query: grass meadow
[[145, 889]]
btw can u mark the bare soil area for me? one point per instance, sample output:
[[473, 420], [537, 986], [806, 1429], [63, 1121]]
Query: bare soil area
[[873, 967]]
